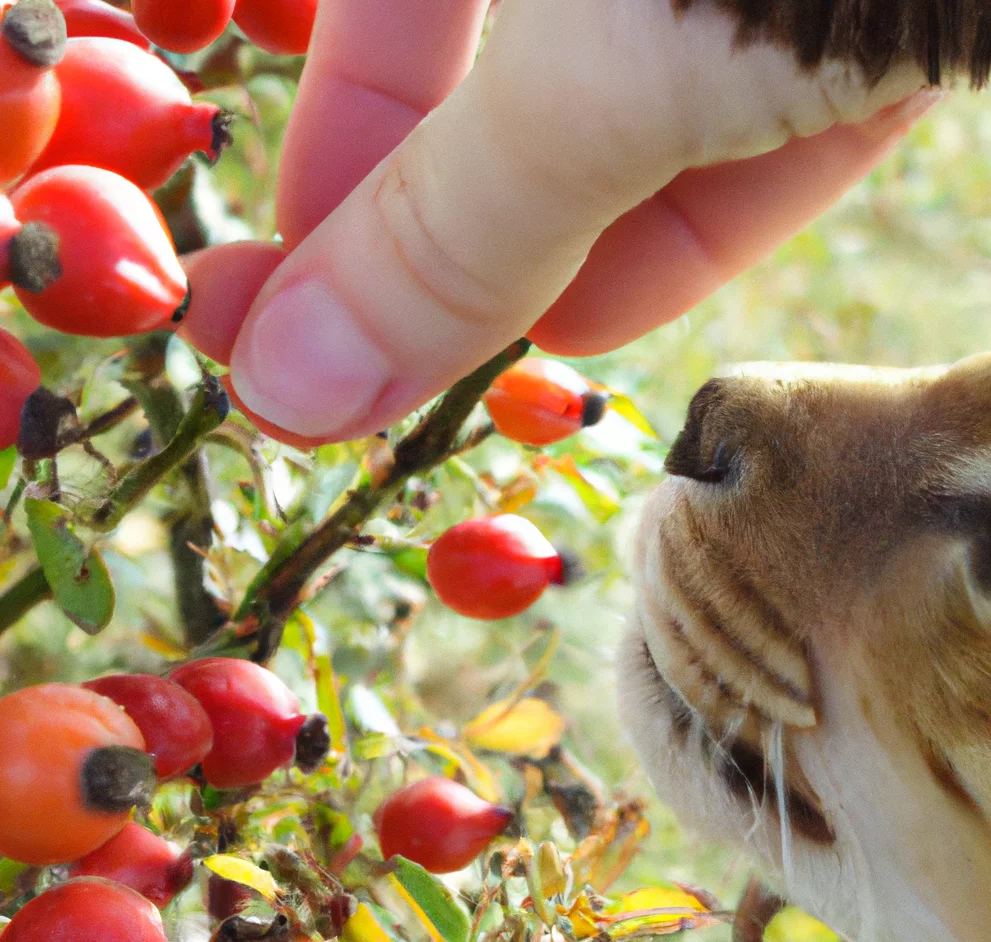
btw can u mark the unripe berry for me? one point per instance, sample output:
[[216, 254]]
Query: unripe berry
[[32, 39], [492, 567], [73, 766], [438, 824], [538, 402]]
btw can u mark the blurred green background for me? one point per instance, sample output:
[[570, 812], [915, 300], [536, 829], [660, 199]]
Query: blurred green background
[[898, 273]]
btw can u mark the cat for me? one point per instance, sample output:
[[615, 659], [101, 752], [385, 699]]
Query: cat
[[808, 669]]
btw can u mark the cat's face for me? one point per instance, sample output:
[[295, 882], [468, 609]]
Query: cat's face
[[808, 671]]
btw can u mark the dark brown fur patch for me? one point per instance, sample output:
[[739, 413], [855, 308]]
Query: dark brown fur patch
[[944, 773], [941, 36], [745, 773]]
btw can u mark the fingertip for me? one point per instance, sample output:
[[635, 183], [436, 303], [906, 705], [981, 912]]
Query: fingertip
[[267, 428], [223, 282]]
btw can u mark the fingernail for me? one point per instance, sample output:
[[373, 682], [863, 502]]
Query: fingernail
[[303, 364]]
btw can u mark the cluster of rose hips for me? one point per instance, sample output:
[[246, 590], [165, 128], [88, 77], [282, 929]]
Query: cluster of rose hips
[[91, 123], [78, 759], [92, 120]]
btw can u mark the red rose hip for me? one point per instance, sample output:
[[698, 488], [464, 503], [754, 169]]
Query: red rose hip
[[96, 18], [282, 27], [185, 27], [19, 377], [492, 567], [125, 110], [93, 256], [143, 861], [176, 729], [538, 402], [86, 910], [255, 719], [438, 824]]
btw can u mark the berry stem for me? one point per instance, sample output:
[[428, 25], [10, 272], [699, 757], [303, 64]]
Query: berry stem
[[207, 410], [277, 588]]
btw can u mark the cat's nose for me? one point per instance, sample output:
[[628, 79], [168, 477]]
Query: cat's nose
[[690, 456]]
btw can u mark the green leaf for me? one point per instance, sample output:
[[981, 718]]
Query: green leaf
[[373, 746], [412, 561], [592, 490], [10, 870], [8, 458], [78, 577], [433, 899]]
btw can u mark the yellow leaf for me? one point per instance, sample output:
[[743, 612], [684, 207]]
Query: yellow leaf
[[527, 728], [625, 407], [162, 646], [362, 926], [582, 917], [550, 870], [792, 925], [656, 910], [655, 897], [245, 872]]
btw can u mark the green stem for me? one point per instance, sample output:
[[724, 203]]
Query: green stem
[[22, 596], [276, 590], [189, 532], [207, 410], [15, 497]]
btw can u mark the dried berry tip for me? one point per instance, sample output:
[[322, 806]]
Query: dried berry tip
[[222, 137], [34, 261], [312, 742], [36, 31], [593, 408], [116, 778], [253, 929], [571, 568], [180, 312], [217, 399], [45, 421]]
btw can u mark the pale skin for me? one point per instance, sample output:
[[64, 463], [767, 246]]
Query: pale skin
[[603, 167]]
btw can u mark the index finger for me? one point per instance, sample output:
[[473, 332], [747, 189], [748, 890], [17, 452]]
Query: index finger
[[374, 69]]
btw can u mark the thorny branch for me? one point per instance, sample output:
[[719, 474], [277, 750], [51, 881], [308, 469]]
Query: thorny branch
[[278, 587]]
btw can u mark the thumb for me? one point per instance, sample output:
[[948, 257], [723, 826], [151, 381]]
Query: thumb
[[450, 249]]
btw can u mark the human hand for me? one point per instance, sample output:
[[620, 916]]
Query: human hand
[[601, 169]]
